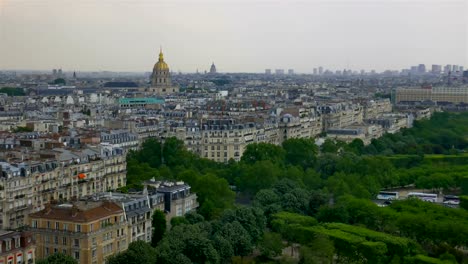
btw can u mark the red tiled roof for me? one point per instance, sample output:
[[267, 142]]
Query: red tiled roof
[[80, 211]]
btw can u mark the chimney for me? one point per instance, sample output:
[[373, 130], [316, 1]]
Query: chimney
[[47, 208], [74, 210]]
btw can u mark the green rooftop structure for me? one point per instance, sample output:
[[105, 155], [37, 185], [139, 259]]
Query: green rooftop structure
[[139, 102]]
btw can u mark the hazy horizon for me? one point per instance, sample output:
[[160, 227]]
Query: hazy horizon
[[238, 36]]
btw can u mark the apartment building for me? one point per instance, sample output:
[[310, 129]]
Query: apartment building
[[17, 247], [375, 108], [88, 231], [364, 132], [178, 198], [342, 114], [121, 139], [61, 174], [454, 95], [137, 210]]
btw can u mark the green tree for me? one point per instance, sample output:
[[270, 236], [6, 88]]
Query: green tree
[[261, 175], [178, 220], [20, 129], [329, 146], [137, 252], [158, 224], [58, 258], [271, 245], [251, 218], [12, 91], [317, 199], [187, 244], [300, 151], [238, 237], [60, 81], [263, 152], [320, 250]]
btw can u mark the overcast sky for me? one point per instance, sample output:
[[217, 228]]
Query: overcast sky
[[239, 36]]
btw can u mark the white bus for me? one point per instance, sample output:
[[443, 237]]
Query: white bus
[[383, 195], [428, 197]]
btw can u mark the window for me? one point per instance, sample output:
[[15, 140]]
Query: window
[[48, 224], [77, 255], [34, 223], [76, 242], [56, 240], [94, 253], [56, 225], [64, 241], [8, 245], [65, 227], [17, 242], [91, 227], [179, 211], [46, 251], [77, 228], [94, 241]]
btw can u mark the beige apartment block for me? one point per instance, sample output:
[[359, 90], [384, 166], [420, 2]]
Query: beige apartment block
[[88, 231], [26, 187]]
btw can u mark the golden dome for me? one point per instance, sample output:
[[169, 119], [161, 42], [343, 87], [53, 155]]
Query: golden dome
[[161, 65]]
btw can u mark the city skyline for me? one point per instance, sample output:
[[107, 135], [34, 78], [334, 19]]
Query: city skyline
[[237, 36]]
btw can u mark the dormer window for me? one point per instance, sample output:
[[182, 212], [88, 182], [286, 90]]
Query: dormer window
[[17, 242]]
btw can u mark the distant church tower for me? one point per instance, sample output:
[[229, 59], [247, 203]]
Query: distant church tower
[[161, 78], [212, 69]]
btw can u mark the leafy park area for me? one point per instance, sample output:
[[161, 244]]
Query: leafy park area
[[299, 203]]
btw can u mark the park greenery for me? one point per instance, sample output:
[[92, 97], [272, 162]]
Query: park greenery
[[300, 203], [12, 91], [58, 258]]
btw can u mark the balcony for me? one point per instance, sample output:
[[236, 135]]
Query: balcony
[[21, 207]]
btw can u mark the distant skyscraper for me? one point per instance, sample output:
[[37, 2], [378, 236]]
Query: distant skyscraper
[[465, 75], [268, 71], [320, 70], [290, 71], [455, 68], [54, 72], [213, 69], [315, 71], [279, 71], [436, 69], [421, 68], [447, 68]]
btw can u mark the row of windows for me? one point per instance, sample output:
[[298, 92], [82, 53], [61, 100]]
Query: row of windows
[[218, 154], [65, 226], [8, 244], [56, 240]]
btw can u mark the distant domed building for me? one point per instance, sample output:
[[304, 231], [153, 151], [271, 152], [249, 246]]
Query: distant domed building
[[212, 69], [161, 78]]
